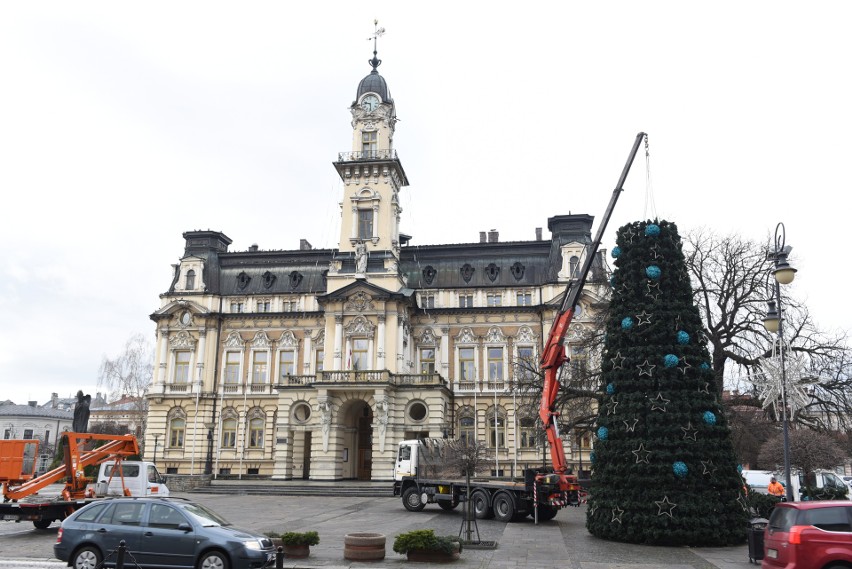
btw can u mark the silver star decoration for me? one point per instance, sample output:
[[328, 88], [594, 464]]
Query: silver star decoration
[[664, 504], [677, 325], [708, 466], [689, 432], [643, 318], [654, 252], [641, 454], [654, 290], [592, 511], [610, 407], [618, 361], [705, 389], [629, 235], [659, 403], [646, 368], [685, 365], [743, 502], [616, 514], [630, 428]]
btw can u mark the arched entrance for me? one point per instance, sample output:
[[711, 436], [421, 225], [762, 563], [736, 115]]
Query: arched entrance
[[359, 454]]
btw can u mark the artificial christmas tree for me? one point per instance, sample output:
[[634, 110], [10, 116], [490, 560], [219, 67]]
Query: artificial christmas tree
[[664, 469]]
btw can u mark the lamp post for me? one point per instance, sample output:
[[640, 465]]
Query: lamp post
[[774, 322], [156, 438], [208, 464]]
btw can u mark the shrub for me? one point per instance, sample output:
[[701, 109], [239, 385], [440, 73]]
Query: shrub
[[300, 538], [424, 539]]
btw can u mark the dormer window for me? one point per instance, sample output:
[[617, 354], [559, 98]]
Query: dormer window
[[190, 279]]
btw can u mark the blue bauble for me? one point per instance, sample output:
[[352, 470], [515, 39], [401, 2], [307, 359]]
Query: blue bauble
[[610, 388], [680, 469], [704, 365], [612, 281], [653, 272], [709, 418], [670, 360], [682, 337], [627, 323], [616, 251], [593, 457], [603, 433], [740, 468], [652, 230]]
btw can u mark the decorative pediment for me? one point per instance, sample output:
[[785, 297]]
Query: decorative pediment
[[360, 326], [295, 279], [319, 341], [576, 332], [466, 272], [176, 413], [466, 336], [525, 335], [288, 340], [428, 338], [492, 271], [229, 413], [517, 271], [261, 340], [495, 336], [234, 340], [268, 279], [182, 341], [256, 413], [243, 280], [359, 302]]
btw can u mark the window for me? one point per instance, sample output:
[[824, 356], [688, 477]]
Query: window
[[181, 366], [359, 354], [287, 362], [524, 299], [259, 367], [290, 306], [369, 143], [526, 363], [7, 434], [467, 430], [91, 513], [263, 306], [236, 307], [126, 514], [427, 360], [47, 436], [428, 301], [302, 413], [229, 433], [190, 279], [177, 428], [527, 432], [417, 411], [28, 434], [497, 434], [828, 519], [165, 517], [232, 367], [579, 364], [365, 224], [494, 299], [256, 433], [467, 364], [573, 263], [465, 301], [495, 364], [318, 362]]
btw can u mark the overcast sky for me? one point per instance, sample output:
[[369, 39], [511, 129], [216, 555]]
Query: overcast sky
[[123, 125]]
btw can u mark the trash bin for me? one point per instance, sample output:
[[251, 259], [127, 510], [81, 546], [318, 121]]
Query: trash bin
[[756, 527]]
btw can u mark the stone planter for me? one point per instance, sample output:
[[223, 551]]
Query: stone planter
[[297, 551], [434, 555], [364, 546]]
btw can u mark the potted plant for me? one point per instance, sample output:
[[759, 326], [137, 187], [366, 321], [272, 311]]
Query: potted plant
[[297, 544], [424, 545]]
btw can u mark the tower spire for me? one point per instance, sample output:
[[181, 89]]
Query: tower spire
[[379, 32]]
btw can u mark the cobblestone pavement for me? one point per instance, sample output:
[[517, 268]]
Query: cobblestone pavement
[[562, 542]]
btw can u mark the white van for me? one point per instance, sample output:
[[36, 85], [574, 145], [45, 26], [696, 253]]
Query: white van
[[759, 481], [140, 478]]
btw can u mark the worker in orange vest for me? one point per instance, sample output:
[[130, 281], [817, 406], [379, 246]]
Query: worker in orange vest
[[775, 488]]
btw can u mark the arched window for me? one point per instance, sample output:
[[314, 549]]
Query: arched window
[[256, 433], [496, 430], [229, 433], [574, 262], [467, 429], [177, 428], [190, 279], [527, 434]]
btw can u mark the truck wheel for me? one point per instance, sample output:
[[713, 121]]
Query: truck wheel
[[481, 509], [448, 504], [86, 558], [504, 508], [545, 513], [411, 499], [214, 560], [42, 524]]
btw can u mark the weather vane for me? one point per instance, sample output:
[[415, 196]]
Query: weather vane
[[379, 32]]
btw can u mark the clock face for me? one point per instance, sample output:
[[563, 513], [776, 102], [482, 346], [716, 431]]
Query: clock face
[[370, 103]]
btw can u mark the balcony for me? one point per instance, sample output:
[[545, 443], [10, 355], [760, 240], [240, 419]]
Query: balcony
[[374, 377], [366, 155]]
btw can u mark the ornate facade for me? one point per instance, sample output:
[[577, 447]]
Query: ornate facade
[[315, 363]]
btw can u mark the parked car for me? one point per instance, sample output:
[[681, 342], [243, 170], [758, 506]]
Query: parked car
[[847, 480], [158, 532], [809, 535]]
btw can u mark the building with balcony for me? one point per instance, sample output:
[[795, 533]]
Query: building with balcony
[[315, 363]]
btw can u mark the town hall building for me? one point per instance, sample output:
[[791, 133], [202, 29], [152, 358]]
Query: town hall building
[[315, 363]]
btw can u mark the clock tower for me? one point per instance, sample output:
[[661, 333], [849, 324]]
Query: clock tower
[[372, 177]]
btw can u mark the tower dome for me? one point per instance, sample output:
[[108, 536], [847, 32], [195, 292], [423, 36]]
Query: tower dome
[[374, 83]]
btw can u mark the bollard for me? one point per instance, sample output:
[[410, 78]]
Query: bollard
[[279, 558], [119, 560]]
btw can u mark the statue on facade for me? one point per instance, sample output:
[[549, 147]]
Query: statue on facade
[[360, 258], [80, 424]]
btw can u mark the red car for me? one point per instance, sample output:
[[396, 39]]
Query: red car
[[809, 535]]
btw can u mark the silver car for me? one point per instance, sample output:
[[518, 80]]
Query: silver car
[[158, 532]]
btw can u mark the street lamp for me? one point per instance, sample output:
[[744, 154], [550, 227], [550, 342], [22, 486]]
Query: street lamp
[[784, 274], [156, 438], [208, 464]]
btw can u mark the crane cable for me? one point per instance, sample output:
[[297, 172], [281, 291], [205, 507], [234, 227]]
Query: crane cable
[[649, 186]]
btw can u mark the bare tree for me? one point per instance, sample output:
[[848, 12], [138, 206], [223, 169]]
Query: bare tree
[[129, 375], [809, 451]]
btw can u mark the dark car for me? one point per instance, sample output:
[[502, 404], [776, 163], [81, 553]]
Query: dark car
[[809, 535], [158, 532]]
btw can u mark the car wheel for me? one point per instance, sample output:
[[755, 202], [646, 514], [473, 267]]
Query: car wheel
[[214, 560], [42, 524], [86, 558], [504, 508], [411, 499]]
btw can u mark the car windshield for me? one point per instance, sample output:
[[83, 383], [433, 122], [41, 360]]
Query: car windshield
[[205, 517], [783, 519]]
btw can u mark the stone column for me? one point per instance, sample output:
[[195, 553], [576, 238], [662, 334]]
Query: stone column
[[164, 355], [380, 355], [338, 342]]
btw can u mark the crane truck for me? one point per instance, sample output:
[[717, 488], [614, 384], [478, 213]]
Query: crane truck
[[20, 486], [542, 492]]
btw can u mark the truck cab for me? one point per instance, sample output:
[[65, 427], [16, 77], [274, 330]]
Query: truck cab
[[140, 479]]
